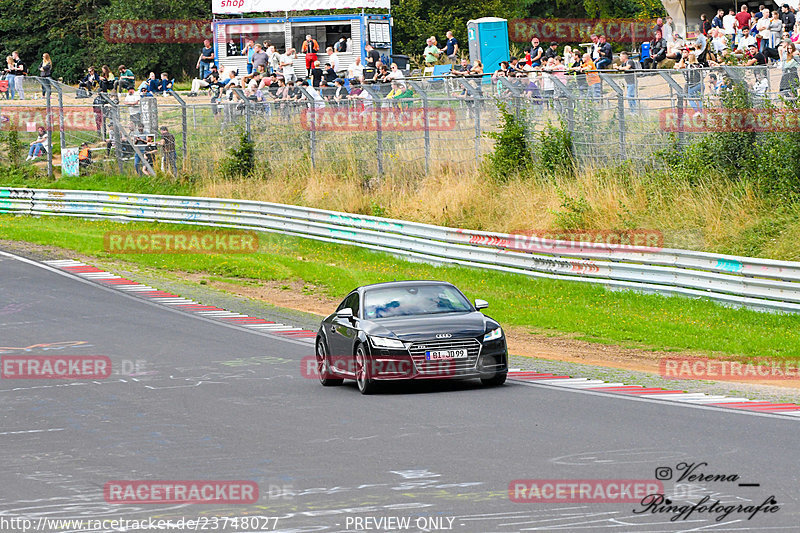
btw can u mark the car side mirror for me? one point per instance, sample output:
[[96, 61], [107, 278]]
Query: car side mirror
[[481, 304], [344, 313]]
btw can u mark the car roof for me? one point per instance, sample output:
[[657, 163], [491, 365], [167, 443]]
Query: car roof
[[405, 283]]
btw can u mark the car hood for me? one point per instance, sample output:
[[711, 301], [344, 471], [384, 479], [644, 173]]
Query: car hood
[[459, 325]]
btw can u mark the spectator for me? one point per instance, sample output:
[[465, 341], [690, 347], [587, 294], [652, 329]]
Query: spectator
[[755, 57], [745, 42], [274, 60], [215, 89], [106, 81], [604, 52], [463, 69], [450, 48], [167, 143], [551, 52], [383, 74], [39, 145], [341, 45], [206, 59], [729, 25], [705, 25], [719, 42], [89, 81], [319, 102], [694, 79], [431, 51], [287, 65], [201, 84], [536, 53], [675, 48], [132, 101], [316, 74], [140, 141], [788, 19], [19, 75], [260, 58], [668, 29], [373, 57], [153, 84], [795, 38], [310, 48], [713, 84], [717, 21], [341, 92], [775, 29], [330, 75], [248, 50], [592, 78], [627, 65], [763, 27], [45, 72], [743, 23], [333, 59], [569, 57], [84, 157], [789, 80], [394, 73], [10, 77], [503, 71], [514, 67], [165, 84], [232, 49], [595, 53], [356, 70], [126, 79], [658, 52]]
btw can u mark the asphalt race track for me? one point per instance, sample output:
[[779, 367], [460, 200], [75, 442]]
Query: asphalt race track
[[193, 399]]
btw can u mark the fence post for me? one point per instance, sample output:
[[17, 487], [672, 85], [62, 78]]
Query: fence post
[[114, 112], [49, 118], [679, 91], [377, 99], [184, 125], [312, 125], [620, 110], [427, 128], [60, 113], [562, 88]]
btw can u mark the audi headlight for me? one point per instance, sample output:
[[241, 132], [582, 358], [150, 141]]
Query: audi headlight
[[384, 342], [493, 335]]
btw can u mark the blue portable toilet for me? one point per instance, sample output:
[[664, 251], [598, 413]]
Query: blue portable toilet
[[488, 42]]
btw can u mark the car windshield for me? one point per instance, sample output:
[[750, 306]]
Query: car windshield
[[414, 300]]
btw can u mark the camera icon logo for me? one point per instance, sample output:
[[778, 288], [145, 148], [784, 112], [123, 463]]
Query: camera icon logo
[[663, 473]]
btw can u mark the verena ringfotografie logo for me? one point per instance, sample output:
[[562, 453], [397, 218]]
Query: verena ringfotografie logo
[[180, 242], [27, 118], [181, 492], [55, 367], [578, 30], [388, 119], [718, 370], [157, 31], [730, 120], [582, 490], [385, 367]]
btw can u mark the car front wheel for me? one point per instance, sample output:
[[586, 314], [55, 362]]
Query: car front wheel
[[323, 366], [364, 372]]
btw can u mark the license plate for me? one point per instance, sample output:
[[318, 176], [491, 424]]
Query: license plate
[[438, 355]]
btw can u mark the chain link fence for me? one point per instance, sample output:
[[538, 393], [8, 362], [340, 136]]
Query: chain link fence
[[419, 125]]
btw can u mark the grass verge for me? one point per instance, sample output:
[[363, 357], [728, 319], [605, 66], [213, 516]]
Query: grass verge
[[587, 312]]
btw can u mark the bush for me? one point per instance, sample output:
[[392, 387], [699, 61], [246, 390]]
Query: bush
[[241, 159], [554, 152], [512, 155]]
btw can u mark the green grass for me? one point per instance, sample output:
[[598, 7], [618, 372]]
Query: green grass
[[587, 312], [98, 182]]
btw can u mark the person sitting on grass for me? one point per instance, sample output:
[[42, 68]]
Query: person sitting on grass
[[165, 84], [37, 146], [84, 157], [126, 79]]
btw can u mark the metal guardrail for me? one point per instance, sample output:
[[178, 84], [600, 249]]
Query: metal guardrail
[[761, 284]]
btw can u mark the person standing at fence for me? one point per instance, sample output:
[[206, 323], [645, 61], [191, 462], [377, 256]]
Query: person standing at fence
[[592, 78], [167, 143], [19, 75], [10, 78], [627, 65], [310, 48], [536, 53], [45, 72]]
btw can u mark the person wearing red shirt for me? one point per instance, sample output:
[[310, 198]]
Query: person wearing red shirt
[[743, 20]]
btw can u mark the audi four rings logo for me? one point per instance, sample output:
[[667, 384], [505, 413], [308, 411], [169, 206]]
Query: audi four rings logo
[[443, 336]]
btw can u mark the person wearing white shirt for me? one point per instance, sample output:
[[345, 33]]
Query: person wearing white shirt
[[287, 65], [333, 59], [356, 70], [667, 30], [729, 24], [394, 73]]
